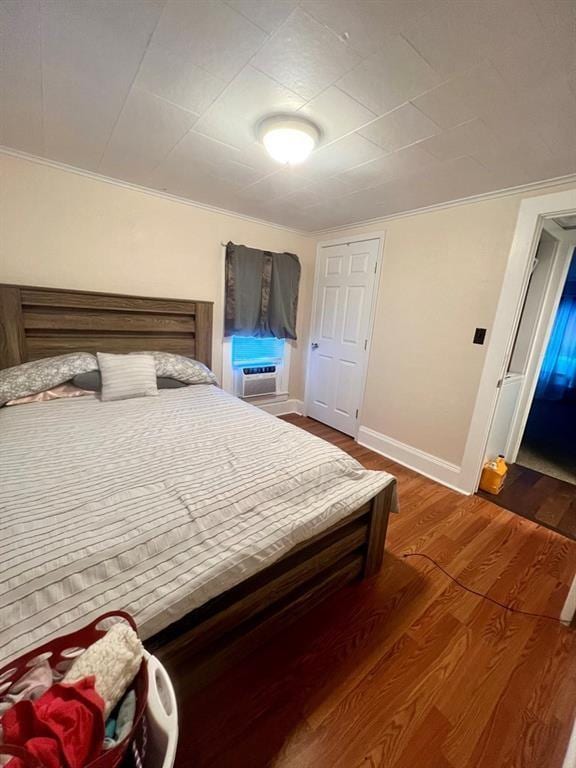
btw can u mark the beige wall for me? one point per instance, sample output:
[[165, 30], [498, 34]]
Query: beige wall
[[62, 229], [441, 278]]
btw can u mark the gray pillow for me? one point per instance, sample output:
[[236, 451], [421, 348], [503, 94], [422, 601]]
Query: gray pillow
[[182, 368], [127, 376], [39, 375], [92, 382]]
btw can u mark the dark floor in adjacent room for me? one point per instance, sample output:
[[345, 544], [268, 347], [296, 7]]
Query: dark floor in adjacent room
[[544, 499], [407, 669]]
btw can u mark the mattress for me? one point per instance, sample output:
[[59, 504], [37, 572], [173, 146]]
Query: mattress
[[153, 505]]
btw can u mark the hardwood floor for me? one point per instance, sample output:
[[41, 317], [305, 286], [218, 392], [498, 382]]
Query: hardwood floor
[[546, 500], [408, 670]]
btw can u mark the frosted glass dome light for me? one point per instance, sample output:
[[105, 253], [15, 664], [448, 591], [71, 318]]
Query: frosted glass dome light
[[288, 140]]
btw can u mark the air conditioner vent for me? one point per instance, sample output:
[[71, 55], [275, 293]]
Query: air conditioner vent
[[259, 380]]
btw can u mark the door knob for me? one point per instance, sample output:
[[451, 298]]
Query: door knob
[[314, 345]]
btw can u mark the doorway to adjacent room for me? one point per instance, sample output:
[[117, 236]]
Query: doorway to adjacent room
[[534, 424]]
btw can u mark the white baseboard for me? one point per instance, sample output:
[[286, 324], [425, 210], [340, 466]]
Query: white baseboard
[[282, 408], [570, 759], [424, 463], [569, 610]]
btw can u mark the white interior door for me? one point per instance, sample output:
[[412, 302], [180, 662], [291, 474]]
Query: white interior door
[[344, 292]]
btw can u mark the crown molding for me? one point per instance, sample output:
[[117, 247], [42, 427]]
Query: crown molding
[[146, 190], [506, 192], [534, 186]]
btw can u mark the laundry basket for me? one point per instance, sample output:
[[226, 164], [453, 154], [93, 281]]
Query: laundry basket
[[161, 718], [60, 654]]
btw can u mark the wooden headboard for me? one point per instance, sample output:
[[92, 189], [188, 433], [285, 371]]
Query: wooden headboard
[[42, 322]]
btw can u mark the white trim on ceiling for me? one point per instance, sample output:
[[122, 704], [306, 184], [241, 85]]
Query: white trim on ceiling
[[146, 190], [506, 192], [532, 187]]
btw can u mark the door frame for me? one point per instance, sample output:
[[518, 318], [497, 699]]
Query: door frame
[[566, 242], [532, 213], [381, 237]]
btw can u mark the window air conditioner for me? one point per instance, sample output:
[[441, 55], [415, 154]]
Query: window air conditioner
[[257, 380]]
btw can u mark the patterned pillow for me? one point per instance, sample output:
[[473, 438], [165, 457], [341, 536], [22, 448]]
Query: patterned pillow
[[182, 368], [38, 375]]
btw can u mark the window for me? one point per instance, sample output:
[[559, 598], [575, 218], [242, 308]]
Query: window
[[251, 350]]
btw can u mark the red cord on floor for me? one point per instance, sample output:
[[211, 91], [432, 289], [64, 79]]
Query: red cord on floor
[[480, 594]]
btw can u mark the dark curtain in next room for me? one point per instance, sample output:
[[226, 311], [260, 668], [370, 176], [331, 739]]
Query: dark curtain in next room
[[261, 292]]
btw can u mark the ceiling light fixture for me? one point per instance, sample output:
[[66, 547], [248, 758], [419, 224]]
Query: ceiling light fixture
[[288, 140]]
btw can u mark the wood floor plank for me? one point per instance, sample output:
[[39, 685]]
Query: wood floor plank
[[407, 669]]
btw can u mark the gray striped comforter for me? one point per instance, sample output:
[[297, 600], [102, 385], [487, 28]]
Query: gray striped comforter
[[152, 505]]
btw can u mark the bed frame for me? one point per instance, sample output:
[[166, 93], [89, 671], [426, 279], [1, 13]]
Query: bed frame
[[42, 322]]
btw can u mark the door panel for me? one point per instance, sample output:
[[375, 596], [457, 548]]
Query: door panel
[[353, 315], [322, 382], [329, 312], [346, 378], [340, 331]]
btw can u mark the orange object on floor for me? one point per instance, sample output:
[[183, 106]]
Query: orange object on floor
[[494, 475]]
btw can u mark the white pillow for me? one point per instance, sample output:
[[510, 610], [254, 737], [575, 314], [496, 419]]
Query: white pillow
[[126, 376]]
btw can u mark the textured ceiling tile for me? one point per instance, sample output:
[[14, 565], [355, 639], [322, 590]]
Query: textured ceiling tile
[[443, 106], [197, 183], [405, 125], [177, 79], [267, 14], [338, 157], [91, 54], [210, 34], [551, 111], [195, 148], [507, 20], [465, 139], [328, 189], [486, 90], [366, 22], [388, 78], [256, 156], [453, 180], [401, 163], [450, 37], [78, 122], [234, 116], [511, 165], [556, 15], [280, 184], [528, 64], [196, 154], [147, 129], [305, 56], [303, 199], [482, 89], [336, 114], [21, 76], [97, 43]]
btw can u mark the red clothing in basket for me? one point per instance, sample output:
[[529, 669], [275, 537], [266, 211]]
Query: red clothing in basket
[[64, 728]]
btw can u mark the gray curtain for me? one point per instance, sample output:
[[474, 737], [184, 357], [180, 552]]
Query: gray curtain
[[261, 292]]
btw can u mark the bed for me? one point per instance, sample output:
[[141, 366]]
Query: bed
[[212, 522]]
